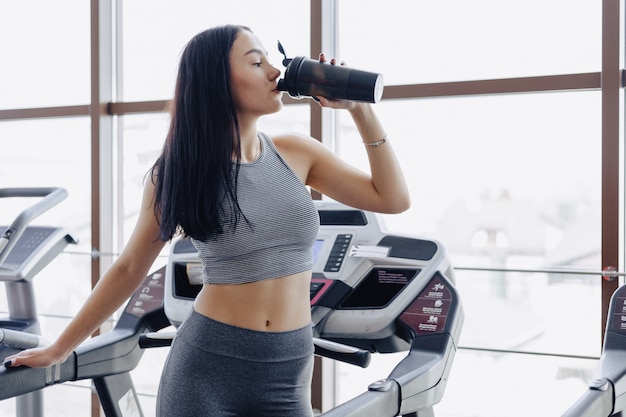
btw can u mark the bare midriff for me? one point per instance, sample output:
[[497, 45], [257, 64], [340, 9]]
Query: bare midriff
[[273, 305]]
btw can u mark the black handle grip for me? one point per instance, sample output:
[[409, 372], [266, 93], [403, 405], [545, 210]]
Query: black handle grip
[[156, 339], [343, 353]]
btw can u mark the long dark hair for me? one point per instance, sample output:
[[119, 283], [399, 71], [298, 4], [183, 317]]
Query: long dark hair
[[194, 175]]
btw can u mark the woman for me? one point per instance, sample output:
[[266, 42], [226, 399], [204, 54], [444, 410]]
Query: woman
[[246, 349]]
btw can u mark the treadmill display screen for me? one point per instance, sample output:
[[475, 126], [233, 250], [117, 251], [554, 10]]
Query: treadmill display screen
[[379, 287], [187, 279]]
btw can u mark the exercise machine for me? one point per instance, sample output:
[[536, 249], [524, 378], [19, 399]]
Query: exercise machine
[[606, 394], [371, 292], [24, 251], [106, 359]]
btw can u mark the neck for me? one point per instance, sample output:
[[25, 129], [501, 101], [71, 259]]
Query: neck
[[250, 144], [247, 125]]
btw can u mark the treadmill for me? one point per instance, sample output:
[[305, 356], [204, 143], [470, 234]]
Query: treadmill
[[371, 292], [24, 251], [606, 394]]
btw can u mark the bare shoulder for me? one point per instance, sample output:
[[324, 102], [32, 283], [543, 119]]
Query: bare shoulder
[[303, 148], [293, 141], [299, 151]]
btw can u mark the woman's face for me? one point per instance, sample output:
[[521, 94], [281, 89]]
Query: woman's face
[[253, 78]]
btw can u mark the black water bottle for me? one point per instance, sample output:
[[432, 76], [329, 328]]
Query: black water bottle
[[305, 77]]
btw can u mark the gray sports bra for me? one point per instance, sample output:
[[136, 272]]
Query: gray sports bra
[[283, 225]]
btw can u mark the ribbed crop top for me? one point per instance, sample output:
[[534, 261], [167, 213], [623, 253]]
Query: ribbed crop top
[[283, 225]]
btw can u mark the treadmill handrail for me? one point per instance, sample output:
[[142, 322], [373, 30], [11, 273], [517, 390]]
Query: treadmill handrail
[[597, 401], [606, 395], [51, 197], [371, 403], [22, 340]]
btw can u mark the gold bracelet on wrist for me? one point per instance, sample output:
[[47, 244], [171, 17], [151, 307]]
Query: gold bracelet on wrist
[[377, 143]]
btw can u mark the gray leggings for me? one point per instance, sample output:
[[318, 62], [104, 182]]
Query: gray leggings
[[218, 370]]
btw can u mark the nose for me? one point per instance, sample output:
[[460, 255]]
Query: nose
[[274, 73]]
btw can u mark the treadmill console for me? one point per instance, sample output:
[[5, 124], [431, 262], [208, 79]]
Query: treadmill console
[[33, 250], [370, 288]]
